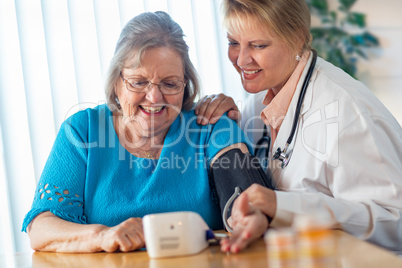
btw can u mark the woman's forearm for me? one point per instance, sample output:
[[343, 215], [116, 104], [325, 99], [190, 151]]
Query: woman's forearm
[[48, 232]]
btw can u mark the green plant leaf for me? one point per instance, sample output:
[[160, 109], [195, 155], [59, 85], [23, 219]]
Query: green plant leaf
[[349, 49], [365, 39], [333, 15], [335, 33], [346, 4], [357, 40], [361, 53], [341, 46], [320, 5], [351, 69], [370, 39], [358, 19], [317, 32]]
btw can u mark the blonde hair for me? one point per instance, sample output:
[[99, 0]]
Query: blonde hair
[[288, 20], [145, 31]]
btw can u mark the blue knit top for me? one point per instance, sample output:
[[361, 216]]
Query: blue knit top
[[90, 178]]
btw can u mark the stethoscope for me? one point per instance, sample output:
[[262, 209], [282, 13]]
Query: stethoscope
[[263, 145], [285, 155]]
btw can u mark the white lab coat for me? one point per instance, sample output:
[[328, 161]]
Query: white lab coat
[[347, 157]]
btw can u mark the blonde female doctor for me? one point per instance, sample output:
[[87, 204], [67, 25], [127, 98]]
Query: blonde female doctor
[[333, 150]]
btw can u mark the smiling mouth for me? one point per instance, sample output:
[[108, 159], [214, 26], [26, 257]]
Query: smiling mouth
[[152, 109], [251, 72]]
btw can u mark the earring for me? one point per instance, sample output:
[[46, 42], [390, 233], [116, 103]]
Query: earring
[[117, 102], [298, 58]]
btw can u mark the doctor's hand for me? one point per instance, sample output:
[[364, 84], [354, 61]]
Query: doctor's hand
[[210, 108], [127, 236], [262, 198], [248, 223]]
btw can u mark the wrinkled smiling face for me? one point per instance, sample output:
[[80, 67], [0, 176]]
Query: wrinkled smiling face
[[151, 112], [262, 60]]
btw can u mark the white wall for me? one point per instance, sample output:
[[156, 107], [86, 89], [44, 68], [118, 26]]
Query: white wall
[[382, 73]]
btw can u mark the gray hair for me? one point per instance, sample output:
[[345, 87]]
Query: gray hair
[[145, 31]]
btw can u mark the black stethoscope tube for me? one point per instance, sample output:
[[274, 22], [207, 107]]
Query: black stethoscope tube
[[301, 97], [282, 155]]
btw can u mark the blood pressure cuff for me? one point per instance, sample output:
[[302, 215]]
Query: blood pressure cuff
[[236, 169]]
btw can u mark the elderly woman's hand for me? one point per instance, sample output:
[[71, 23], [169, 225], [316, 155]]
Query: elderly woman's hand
[[210, 108], [248, 223], [127, 236]]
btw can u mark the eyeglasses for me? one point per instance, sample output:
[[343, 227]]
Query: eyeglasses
[[167, 87]]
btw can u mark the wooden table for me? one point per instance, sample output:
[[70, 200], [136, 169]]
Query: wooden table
[[350, 252]]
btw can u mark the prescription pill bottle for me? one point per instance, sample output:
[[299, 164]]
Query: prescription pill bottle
[[281, 247], [315, 241]]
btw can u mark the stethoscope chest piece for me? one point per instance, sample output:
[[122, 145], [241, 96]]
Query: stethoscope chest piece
[[283, 156], [285, 161]]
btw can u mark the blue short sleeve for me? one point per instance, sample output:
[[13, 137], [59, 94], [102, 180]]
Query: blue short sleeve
[[61, 186]]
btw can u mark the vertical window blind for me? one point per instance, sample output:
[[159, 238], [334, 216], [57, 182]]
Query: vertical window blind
[[53, 58]]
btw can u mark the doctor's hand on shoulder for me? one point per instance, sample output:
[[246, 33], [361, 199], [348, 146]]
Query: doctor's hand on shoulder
[[211, 107], [249, 219]]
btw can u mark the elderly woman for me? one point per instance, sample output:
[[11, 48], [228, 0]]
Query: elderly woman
[[334, 151], [141, 153]]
